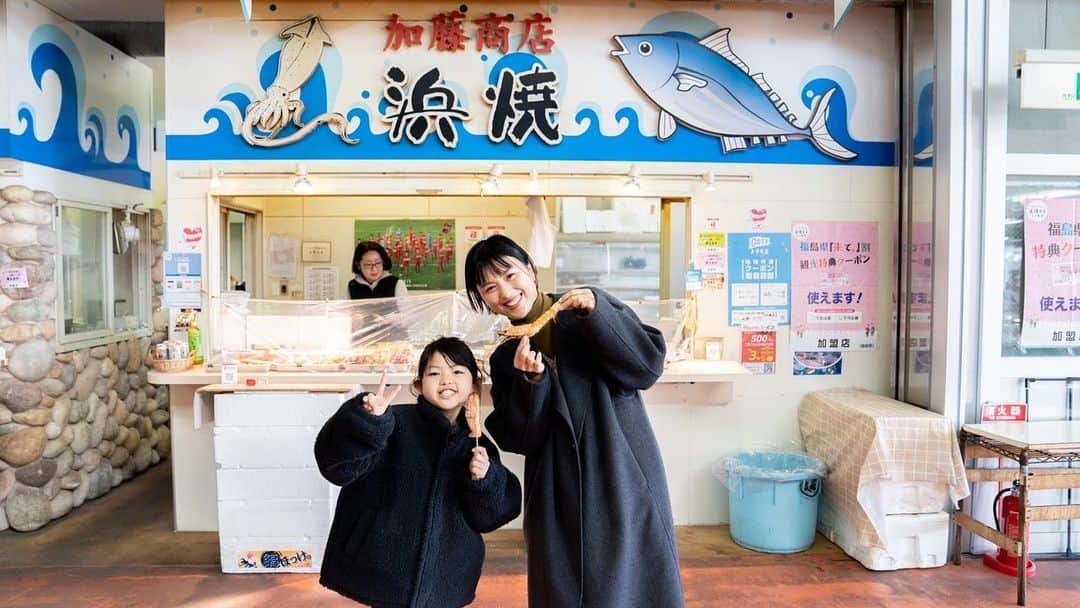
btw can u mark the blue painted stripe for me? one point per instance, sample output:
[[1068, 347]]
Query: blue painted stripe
[[5, 143], [685, 146]]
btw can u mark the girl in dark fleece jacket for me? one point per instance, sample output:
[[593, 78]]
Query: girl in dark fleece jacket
[[416, 490]]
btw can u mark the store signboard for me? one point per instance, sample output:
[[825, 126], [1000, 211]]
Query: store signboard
[[760, 278], [834, 286], [527, 83], [183, 279], [1051, 273]]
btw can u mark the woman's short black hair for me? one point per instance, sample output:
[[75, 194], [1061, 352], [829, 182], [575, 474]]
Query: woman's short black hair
[[365, 246], [456, 352], [492, 253]]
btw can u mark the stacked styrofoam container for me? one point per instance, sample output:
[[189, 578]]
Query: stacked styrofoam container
[[915, 530], [274, 508]]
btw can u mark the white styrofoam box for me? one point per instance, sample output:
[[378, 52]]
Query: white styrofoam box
[[265, 447], [911, 541], [271, 554], [908, 497], [268, 484], [274, 517], [275, 409]]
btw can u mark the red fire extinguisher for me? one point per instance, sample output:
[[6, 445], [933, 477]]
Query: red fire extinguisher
[[1007, 515]]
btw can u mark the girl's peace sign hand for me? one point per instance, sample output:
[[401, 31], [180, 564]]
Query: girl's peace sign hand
[[377, 402]]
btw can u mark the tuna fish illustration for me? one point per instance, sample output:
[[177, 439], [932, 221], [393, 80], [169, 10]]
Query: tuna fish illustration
[[703, 85], [299, 58]]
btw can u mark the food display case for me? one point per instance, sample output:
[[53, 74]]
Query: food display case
[[362, 336], [369, 336]]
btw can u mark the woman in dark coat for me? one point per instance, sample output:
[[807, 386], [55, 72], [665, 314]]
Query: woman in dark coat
[[417, 491], [598, 524]]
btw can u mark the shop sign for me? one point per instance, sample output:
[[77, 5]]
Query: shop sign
[[834, 286], [760, 270], [1051, 273], [494, 229], [1004, 412], [759, 351], [474, 233], [448, 33]]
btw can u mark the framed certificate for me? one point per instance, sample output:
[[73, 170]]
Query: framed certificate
[[315, 251]]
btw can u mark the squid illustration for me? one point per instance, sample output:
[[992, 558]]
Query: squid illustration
[[300, 55]]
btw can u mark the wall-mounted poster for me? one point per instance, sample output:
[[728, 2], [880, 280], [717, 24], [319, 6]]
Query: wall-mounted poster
[[422, 250], [834, 286], [1051, 273], [760, 274]]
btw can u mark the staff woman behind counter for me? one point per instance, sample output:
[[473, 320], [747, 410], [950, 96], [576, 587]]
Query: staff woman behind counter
[[371, 274]]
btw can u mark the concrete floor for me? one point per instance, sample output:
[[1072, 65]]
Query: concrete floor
[[120, 550]]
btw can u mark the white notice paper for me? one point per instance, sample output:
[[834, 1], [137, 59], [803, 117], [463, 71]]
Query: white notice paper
[[320, 282]]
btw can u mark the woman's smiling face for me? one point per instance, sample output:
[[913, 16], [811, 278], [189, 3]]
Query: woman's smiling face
[[509, 291]]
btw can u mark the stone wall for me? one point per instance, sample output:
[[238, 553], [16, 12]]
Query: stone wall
[[75, 424]]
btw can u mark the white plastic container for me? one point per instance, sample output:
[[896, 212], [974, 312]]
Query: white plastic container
[[911, 541]]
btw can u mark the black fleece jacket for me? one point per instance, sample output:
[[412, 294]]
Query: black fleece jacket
[[407, 527]]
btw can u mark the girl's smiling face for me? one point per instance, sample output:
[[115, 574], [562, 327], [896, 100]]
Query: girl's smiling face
[[509, 290], [446, 385]]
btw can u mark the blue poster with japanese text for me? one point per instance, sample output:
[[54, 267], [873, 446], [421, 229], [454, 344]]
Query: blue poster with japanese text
[[759, 287]]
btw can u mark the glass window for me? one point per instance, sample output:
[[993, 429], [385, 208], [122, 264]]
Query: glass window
[[612, 243], [1037, 24], [130, 234], [1063, 269], [82, 249]]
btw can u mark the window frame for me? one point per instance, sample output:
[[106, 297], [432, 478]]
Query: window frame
[[140, 279]]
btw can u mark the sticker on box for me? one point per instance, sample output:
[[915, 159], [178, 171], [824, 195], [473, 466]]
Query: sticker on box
[[274, 560]]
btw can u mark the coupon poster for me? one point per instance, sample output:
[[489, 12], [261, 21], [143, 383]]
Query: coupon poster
[[1051, 273], [834, 286], [759, 351], [759, 273], [422, 251], [712, 258]]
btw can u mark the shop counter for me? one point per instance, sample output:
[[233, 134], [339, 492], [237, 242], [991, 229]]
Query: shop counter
[[191, 398]]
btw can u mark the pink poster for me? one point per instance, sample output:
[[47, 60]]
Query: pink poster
[[1051, 273], [834, 286]]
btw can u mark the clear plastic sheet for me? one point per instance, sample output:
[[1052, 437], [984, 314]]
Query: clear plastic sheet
[[773, 465], [343, 335], [367, 336]]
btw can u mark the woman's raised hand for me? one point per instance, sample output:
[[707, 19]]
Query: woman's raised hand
[[527, 360], [582, 299], [377, 402]]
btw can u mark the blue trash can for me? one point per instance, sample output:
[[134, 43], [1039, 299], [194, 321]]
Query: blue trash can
[[773, 499]]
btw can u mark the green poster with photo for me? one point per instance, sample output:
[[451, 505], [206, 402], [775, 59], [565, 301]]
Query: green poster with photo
[[422, 250]]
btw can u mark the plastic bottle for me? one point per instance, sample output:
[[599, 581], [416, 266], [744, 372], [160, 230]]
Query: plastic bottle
[[194, 338]]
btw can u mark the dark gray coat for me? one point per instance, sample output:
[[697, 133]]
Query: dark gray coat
[[598, 525], [406, 531]]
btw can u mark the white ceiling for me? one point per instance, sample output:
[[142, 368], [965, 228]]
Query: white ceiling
[[108, 10]]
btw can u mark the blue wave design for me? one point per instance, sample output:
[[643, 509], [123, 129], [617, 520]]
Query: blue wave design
[[5, 143], [69, 147], [685, 145], [924, 125]]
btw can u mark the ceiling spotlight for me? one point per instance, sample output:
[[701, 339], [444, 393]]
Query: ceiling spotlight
[[490, 185], [302, 185], [534, 181], [710, 181], [215, 178], [633, 180]]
